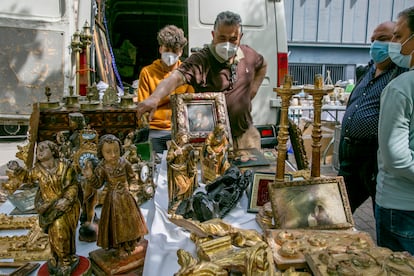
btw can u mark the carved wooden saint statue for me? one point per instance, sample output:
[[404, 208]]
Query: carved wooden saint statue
[[58, 206], [182, 170], [215, 154]]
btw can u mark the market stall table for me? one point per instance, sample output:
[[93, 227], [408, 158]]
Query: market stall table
[[164, 238]]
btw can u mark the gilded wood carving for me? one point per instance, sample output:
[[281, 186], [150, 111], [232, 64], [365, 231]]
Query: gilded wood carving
[[33, 246], [290, 246]]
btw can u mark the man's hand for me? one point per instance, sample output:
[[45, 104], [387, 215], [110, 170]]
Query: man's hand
[[164, 88], [148, 105]]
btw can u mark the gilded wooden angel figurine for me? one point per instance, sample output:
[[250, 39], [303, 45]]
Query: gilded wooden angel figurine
[[182, 170], [121, 225], [57, 203]]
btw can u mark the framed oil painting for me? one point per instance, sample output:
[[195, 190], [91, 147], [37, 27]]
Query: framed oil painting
[[198, 114], [249, 158], [259, 193], [318, 203]]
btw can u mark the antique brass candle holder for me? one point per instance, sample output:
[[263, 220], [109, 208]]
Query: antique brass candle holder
[[127, 101], [110, 97], [91, 104], [48, 104], [71, 100], [286, 91]]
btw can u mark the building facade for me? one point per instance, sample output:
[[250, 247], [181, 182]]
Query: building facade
[[334, 35]]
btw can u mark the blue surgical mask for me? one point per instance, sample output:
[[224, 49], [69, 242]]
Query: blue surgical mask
[[394, 50], [379, 51]]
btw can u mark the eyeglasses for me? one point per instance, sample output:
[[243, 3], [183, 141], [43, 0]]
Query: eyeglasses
[[233, 75]]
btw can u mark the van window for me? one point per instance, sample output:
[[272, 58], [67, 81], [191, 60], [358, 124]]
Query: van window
[[44, 9]]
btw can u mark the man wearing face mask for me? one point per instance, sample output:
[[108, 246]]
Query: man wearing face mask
[[171, 42], [394, 210], [224, 66], [358, 143]]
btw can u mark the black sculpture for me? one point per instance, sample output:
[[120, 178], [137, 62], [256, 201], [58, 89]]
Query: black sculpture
[[220, 198]]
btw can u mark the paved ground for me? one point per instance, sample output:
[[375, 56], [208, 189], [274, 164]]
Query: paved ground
[[363, 216]]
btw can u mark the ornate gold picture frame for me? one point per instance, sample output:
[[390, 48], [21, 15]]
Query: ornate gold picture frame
[[198, 114], [318, 203]]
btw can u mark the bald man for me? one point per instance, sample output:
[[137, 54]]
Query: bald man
[[359, 135]]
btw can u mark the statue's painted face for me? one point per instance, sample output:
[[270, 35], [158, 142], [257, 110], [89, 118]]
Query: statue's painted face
[[111, 153], [43, 152]]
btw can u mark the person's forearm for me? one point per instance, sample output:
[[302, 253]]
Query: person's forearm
[[168, 85], [257, 81]]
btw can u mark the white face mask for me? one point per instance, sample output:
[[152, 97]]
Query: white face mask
[[226, 50], [169, 58], [394, 51]]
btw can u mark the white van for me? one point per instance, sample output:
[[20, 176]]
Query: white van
[[40, 52], [35, 53]]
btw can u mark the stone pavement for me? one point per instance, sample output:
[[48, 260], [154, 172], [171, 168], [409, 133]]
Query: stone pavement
[[364, 218]]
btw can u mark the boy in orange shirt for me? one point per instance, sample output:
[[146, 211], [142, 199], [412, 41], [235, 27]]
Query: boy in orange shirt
[[172, 42]]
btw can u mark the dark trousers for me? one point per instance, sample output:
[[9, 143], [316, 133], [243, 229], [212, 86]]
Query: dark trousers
[[159, 144], [359, 168]]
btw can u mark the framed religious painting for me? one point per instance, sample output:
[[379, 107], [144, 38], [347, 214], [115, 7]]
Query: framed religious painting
[[197, 114], [259, 194], [318, 203]]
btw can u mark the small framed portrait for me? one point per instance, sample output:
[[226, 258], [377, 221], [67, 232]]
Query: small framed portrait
[[198, 114], [319, 203], [259, 193]]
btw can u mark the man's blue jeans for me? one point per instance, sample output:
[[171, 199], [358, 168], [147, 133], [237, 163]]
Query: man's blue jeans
[[395, 229]]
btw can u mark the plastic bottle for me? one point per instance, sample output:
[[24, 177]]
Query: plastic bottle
[[350, 86]]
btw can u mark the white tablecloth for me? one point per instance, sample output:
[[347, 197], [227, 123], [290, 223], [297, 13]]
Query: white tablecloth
[[164, 238]]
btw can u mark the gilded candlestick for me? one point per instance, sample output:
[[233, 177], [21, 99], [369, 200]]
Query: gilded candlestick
[[318, 90], [86, 38], [76, 45], [286, 91]]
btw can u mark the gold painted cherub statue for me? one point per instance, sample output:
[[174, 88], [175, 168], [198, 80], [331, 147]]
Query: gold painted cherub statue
[[121, 225]]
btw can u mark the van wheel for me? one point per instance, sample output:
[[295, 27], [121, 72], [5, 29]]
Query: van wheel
[[13, 130]]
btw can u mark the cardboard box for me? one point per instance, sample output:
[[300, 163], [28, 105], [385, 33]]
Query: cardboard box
[[327, 140]]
